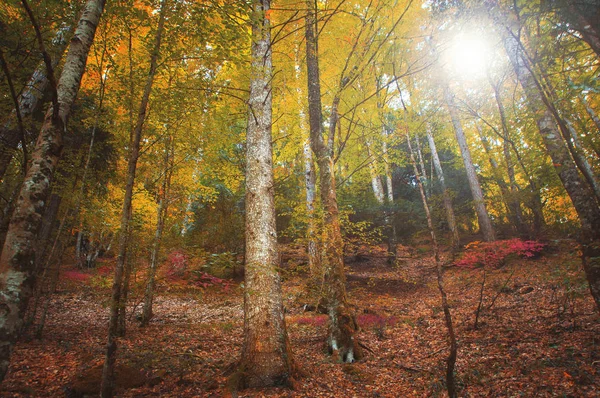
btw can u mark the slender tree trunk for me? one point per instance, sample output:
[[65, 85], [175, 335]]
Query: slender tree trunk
[[310, 182], [389, 213], [485, 224], [451, 361], [266, 353], [342, 341], [314, 257], [160, 222], [376, 182], [512, 199], [450, 218], [108, 377], [496, 172], [29, 101], [17, 262], [581, 195], [425, 180]]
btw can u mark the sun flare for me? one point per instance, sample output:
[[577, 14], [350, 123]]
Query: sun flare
[[469, 56]]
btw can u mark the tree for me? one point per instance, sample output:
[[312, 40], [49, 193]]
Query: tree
[[577, 188], [450, 218], [116, 305], [17, 262], [342, 324], [485, 224], [266, 354]]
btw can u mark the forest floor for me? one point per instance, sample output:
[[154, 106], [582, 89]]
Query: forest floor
[[541, 337]]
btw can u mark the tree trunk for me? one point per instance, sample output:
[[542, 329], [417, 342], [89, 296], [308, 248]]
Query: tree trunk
[[425, 180], [445, 192], [581, 195], [108, 377], [266, 354], [342, 324], [17, 262], [451, 361], [29, 101], [160, 222], [310, 182], [389, 213], [485, 224], [512, 199], [497, 174], [314, 257]]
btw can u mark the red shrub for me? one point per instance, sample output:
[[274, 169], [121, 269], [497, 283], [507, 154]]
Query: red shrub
[[495, 253], [177, 261]]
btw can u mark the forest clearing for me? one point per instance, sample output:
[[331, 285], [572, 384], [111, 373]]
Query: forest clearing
[[540, 338], [370, 198]]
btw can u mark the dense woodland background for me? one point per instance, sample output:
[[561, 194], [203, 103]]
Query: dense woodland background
[[303, 198]]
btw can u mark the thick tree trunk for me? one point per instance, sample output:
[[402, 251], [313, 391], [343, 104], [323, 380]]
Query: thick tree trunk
[[29, 101], [451, 361], [17, 262], [266, 354], [108, 377], [581, 195], [485, 224], [342, 324], [450, 218], [160, 222]]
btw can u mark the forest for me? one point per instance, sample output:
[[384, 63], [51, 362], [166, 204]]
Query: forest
[[299, 198]]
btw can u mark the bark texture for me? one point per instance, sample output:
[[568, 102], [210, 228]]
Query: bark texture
[[17, 262], [108, 376], [485, 224], [266, 354]]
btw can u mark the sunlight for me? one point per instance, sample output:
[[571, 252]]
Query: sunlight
[[469, 56]]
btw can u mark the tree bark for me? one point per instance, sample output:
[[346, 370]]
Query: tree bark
[[342, 342], [450, 218], [485, 224], [581, 195], [266, 353], [108, 377], [17, 262]]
